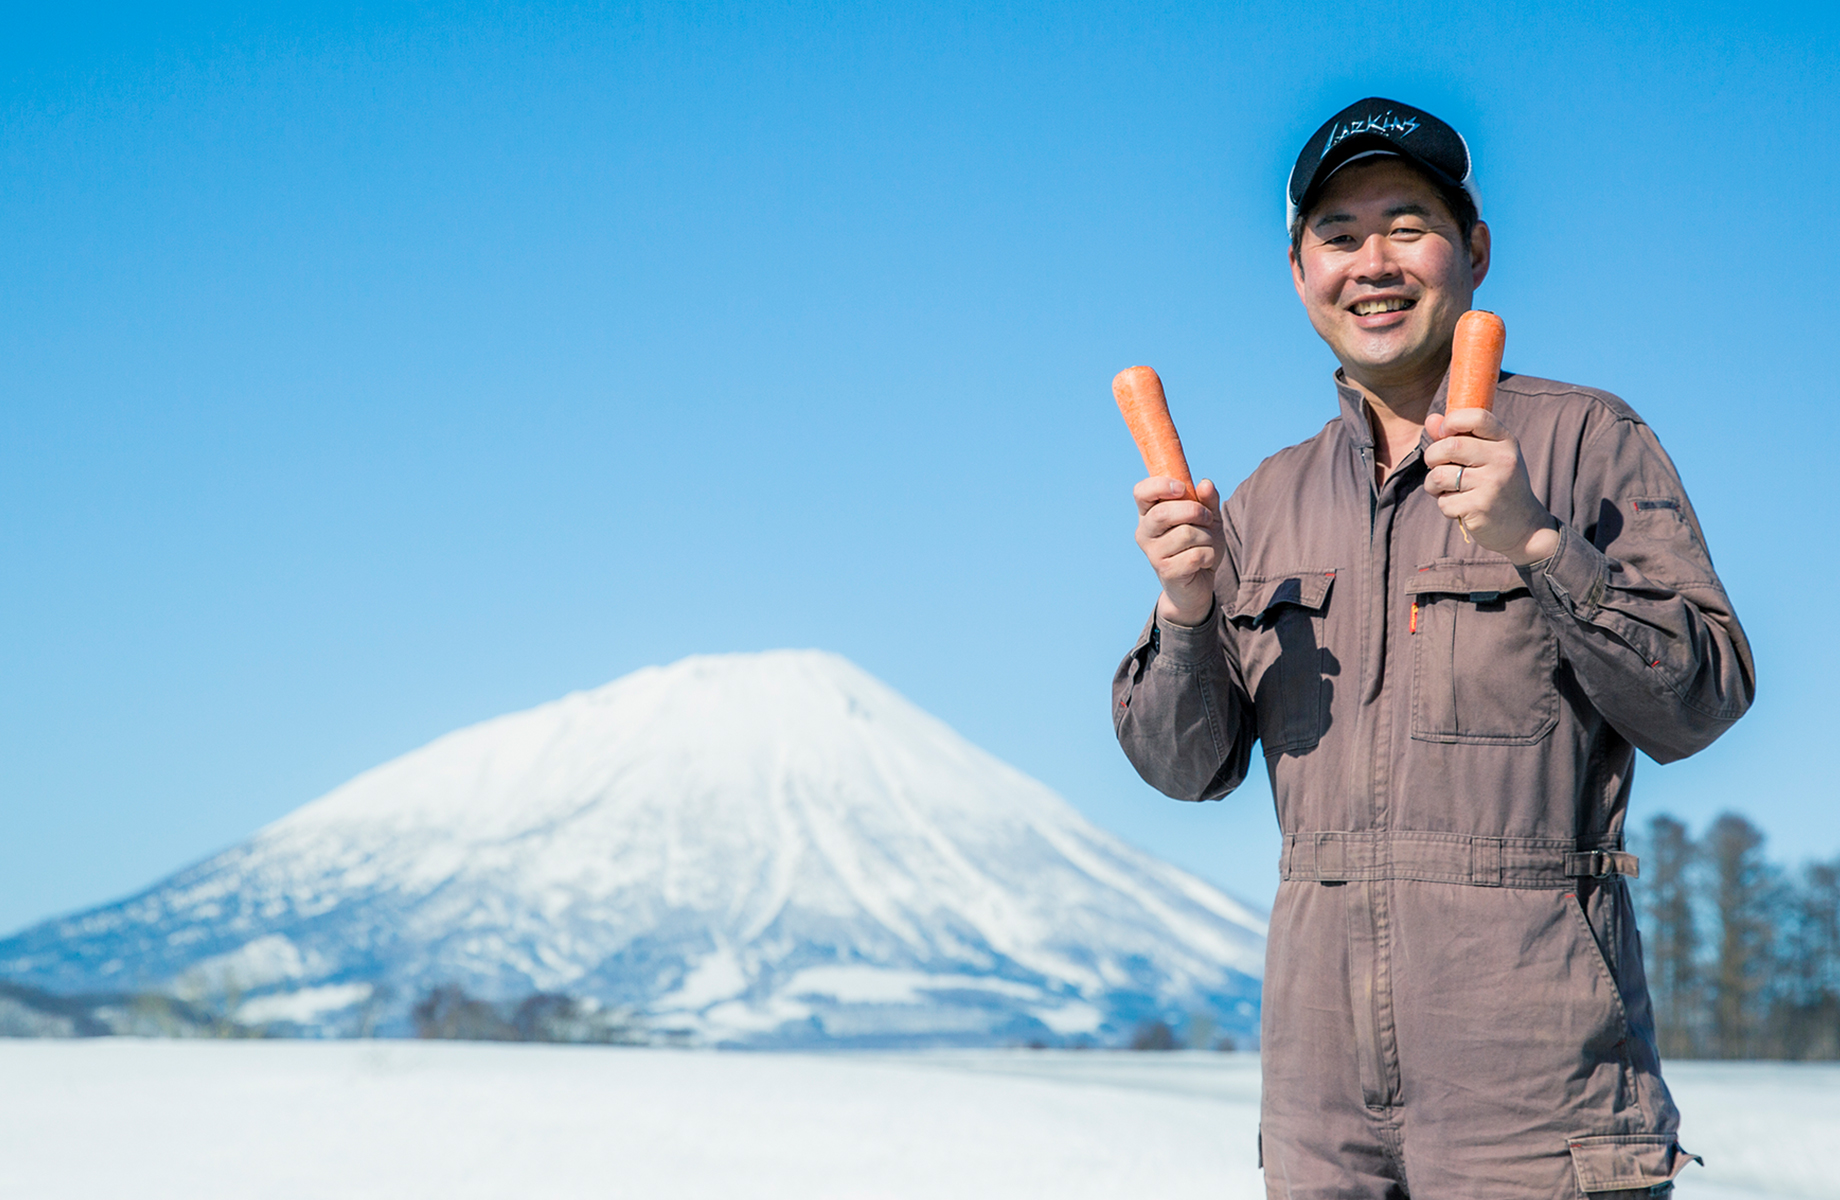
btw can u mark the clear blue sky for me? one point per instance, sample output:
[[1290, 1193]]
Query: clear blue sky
[[366, 371]]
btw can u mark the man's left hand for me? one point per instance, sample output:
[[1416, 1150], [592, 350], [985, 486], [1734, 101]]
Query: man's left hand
[[1478, 477]]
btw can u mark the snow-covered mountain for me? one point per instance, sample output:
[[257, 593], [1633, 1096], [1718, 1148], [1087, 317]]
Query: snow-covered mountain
[[758, 849]]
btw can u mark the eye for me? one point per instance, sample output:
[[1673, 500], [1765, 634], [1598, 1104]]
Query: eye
[[1408, 232]]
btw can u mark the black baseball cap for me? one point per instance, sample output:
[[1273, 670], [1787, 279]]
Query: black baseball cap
[[1375, 126]]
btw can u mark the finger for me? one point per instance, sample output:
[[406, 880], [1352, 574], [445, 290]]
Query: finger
[[1457, 451], [1176, 514], [1155, 490], [1476, 422], [1459, 506], [1158, 524], [1174, 554], [1187, 563], [1172, 515], [1434, 425], [1443, 480]]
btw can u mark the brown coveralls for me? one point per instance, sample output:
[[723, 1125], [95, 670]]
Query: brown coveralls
[[1454, 1000]]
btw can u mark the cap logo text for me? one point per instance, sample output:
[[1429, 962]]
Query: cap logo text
[[1385, 122]]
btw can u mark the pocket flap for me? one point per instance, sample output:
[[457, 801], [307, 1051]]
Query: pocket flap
[[1479, 579], [1259, 594], [1623, 1162]]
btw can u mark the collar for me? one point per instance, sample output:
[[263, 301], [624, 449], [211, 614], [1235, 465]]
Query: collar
[[1354, 400]]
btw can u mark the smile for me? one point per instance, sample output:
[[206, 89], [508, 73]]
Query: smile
[[1368, 308]]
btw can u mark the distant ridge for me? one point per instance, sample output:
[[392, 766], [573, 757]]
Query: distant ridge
[[767, 849]]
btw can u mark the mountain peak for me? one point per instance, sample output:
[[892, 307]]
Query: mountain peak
[[761, 848]]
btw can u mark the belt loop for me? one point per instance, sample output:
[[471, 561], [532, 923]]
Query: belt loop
[[1485, 861], [1331, 856]]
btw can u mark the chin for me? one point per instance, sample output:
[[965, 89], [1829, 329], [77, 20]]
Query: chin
[[1376, 354], [1382, 363]]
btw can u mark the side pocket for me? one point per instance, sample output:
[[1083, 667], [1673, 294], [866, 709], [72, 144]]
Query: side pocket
[[1625, 1162], [1576, 903]]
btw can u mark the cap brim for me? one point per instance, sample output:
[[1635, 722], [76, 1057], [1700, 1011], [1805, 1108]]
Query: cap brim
[[1375, 148]]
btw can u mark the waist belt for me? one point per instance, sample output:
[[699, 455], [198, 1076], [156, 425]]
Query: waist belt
[[1378, 854]]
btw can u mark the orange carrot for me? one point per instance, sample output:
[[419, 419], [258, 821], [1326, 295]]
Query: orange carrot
[[1475, 360], [1140, 398]]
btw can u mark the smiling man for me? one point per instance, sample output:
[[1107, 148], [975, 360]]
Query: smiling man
[[1449, 636]]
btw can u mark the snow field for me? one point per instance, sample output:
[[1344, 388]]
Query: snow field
[[402, 1120], [457, 1121], [1764, 1129]]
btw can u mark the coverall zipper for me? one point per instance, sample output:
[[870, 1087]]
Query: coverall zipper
[[1370, 932]]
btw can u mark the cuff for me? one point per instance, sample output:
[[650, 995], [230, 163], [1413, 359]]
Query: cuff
[[1571, 582], [1187, 645]]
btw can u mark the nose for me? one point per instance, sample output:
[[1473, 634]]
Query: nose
[[1374, 263]]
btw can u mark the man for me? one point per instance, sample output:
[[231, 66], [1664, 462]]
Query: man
[[1450, 634]]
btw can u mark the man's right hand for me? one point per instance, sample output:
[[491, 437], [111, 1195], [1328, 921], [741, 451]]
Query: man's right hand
[[1184, 541]]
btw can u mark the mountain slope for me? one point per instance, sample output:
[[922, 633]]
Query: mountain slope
[[761, 849]]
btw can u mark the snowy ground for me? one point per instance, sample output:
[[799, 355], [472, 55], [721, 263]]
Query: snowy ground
[[403, 1120]]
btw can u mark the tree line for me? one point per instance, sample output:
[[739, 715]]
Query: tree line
[[449, 1012], [1742, 954]]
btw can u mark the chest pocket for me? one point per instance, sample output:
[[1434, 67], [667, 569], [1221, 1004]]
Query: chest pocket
[[1483, 659], [1280, 623]]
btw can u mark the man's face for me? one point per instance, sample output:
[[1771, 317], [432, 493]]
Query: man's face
[[1383, 273]]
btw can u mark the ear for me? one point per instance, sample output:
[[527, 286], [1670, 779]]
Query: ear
[[1478, 254], [1297, 274]]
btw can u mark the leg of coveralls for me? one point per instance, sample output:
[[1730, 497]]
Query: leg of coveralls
[[1318, 1137], [1513, 1038]]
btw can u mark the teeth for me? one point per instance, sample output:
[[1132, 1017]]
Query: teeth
[[1366, 308]]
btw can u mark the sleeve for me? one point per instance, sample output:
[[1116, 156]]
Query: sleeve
[[1179, 704], [1641, 617]]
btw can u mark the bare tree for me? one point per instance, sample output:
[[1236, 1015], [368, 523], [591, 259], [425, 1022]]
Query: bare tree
[[448, 1012], [1154, 1035], [1672, 945], [1805, 1020], [1744, 893], [1743, 960]]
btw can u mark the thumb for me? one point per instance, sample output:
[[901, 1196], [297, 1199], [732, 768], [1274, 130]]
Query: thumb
[[1434, 425], [1207, 493]]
